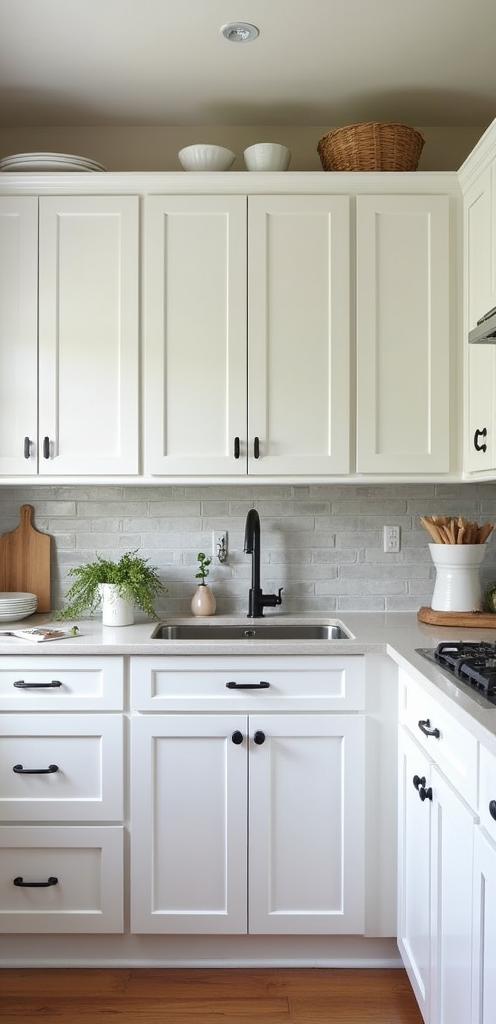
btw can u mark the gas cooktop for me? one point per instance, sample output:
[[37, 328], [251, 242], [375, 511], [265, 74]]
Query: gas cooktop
[[471, 663]]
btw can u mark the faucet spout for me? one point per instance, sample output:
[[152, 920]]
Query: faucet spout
[[257, 601]]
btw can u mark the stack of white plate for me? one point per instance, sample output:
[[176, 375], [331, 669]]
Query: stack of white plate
[[48, 162], [15, 605]]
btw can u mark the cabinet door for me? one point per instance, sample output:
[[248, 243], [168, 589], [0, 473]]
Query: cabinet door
[[195, 335], [18, 335], [484, 931], [414, 845], [188, 824], [88, 335], [298, 335], [403, 334], [480, 295], [451, 909], [306, 824]]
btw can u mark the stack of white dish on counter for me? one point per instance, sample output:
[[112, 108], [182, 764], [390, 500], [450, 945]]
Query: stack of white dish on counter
[[16, 605], [48, 162]]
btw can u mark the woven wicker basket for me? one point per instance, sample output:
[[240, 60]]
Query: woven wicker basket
[[371, 146]]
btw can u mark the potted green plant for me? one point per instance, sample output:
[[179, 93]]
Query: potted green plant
[[203, 602], [117, 586]]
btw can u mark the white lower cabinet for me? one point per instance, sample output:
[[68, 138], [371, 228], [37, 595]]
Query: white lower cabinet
[[249, 820], [61, 795], [484, 930], [435, 887]]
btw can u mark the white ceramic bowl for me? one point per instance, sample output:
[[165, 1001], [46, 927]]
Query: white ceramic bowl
[[267, 156], [206, 158]]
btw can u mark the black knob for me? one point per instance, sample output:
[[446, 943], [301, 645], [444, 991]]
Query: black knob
[[480, 433], [425, 794], [237, 737], [492, 809], [259, 738], [417, 781]]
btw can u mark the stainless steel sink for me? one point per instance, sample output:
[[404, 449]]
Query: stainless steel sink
[[258, 631]]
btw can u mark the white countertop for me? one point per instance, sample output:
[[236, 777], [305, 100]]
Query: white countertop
[[396, 634]]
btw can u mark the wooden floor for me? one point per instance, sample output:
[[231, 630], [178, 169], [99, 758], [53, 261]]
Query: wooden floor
[[162, 996]]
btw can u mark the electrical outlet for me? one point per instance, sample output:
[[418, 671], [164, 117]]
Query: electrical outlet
[[392, 539], [219, 545]]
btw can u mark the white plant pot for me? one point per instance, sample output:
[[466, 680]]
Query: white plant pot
[[458, 586], [203, 602], [116, 610]]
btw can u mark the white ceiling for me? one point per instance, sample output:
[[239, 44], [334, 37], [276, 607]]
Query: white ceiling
[[74, 63]]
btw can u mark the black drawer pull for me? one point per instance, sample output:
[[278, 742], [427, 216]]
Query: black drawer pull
[[27, 447], [425, 727], [480, 433], [492, 809], [425, 794], [237, 737], [236, 447], [46, 447], [19, 770], [417, 781], [35, 885], [259, 738], [256, 448], [247, 686], [36, 686]]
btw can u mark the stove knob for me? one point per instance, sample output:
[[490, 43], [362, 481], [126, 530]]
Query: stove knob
[[492, 809]]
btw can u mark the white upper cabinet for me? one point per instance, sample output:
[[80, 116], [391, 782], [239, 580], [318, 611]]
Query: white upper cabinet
[[298, 335], [234, 282], [69, 279], [403, 334], [480, 297], [18, 334], [88, 335], [195, 335]]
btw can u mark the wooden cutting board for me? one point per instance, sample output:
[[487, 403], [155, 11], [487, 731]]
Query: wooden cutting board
[[467, 620], [25, 560]]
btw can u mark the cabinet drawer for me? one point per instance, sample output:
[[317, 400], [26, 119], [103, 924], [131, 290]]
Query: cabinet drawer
[[487, 792], [47, 683], [447, 743], [61, 768], [211, 683], [85, 868]]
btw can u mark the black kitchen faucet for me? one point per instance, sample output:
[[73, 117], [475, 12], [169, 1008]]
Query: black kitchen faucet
[[257, 601]]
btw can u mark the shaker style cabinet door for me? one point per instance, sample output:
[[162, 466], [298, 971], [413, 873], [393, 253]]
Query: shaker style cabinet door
[[195, 335], [88, 335], [403, 334], [298, 335], [18, 335], [480, 297]]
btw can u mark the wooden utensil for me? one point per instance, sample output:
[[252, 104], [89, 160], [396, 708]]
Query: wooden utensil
[[25, 560]]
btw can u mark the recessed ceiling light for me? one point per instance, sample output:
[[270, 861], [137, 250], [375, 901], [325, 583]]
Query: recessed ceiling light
[[239, 32]]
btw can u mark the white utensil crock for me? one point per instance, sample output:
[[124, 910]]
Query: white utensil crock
[[457, 587], [116, 610]]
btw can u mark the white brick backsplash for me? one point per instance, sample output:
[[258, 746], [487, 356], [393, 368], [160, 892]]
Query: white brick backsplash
[[321, 543]]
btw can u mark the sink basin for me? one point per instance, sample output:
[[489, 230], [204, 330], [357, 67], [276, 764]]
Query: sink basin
[[262, 631]]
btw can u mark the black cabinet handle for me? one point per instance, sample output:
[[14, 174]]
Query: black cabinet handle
[[36, 686], [256, 448], [46, 447], [492, 809], [259, 738], [236, 447], [417, 781], [425, 727], [19, 770], [237, 737], [425, 794], [480, 433], [231, 685], [27, 447], [35, 885]]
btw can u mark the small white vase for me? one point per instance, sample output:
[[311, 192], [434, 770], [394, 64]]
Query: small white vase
[[116, 610], [458, 586], [203, 602]]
